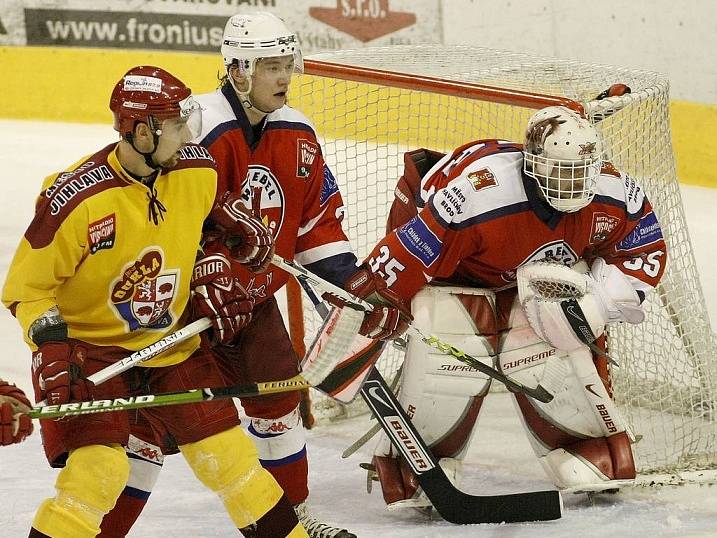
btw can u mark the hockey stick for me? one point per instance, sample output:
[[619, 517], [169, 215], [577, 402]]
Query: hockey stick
[[451, 503], [303, 275], [339, 376], [146, 353], [150, 351]]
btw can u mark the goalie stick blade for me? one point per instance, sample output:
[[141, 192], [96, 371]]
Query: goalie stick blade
[[462, 508], [451, 503]]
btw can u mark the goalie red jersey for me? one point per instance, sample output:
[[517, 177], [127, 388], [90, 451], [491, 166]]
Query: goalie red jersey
[[473, 217], [278, 166]]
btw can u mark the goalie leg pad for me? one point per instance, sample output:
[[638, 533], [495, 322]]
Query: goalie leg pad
[[281, 445], [442, 397], [579, 437]]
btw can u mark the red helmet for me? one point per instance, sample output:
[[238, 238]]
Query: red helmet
[[146, 92]]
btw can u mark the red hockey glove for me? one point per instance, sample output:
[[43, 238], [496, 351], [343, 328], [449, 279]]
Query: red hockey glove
[[249, 241], [15, 425], [57, 375], [217, 295], [390, 316]]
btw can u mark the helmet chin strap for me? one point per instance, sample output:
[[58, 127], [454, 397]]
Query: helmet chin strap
[[148, 160]]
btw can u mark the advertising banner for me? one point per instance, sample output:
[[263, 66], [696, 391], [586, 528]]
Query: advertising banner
[[197, 25]]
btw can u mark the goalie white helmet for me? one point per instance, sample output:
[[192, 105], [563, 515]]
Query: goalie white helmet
[[252, 36], [563, 153]]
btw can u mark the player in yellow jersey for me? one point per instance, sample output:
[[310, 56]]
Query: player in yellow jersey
[[105, 268]]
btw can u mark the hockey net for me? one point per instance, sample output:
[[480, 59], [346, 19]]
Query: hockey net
[[371, 105]]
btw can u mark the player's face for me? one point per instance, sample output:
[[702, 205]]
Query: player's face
[[270, 82], [175, 134], [567, 181]]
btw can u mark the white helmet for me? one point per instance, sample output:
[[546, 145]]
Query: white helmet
[[563, 153], [249, 37]]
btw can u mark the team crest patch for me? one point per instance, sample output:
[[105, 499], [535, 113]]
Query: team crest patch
[[601, 226], [480, 179], [262, 186], [558, 251], [306, 152], [144, 292], [101, 233]]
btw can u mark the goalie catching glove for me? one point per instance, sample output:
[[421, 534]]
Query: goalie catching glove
[[217, 295], [569, 309], [248, 240], [390, 316]]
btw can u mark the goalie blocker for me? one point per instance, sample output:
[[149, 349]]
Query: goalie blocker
[[578, 437]]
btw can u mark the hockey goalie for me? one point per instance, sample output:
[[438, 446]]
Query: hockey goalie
[[523, 256]]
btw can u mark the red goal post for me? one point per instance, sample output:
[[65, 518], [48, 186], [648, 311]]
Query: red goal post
[[371, 105]]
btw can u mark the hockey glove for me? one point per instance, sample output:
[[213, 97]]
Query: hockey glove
[[56, 372], [249, 241], [217, 295], [390, 316], [15, 425], [569, 309]]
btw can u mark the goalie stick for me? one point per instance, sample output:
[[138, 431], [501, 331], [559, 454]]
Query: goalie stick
[[539, 393], [452, 504]]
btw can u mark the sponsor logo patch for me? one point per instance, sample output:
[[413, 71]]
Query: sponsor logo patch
[[483, 178], [419, 241], [306, 152], [101, 233], [329, 187], [601, 226], [646, 232], [144, 292], [142, 83], [633, 195]]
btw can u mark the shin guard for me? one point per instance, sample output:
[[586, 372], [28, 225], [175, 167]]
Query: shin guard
[[227, 463], [87, 488]]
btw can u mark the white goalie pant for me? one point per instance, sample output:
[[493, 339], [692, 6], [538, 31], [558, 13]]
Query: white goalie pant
[[579, 437], [441, 395]]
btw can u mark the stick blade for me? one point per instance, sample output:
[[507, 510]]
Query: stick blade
[[460, 508]]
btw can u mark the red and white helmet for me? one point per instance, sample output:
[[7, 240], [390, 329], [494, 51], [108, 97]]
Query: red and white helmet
[[563, 153], [249, 37], [150, 94]]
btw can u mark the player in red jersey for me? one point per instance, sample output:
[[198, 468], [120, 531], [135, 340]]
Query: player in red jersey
[[268, 154], [548, 215]]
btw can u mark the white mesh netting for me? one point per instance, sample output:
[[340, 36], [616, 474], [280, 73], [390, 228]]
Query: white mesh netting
[[667, 379]]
